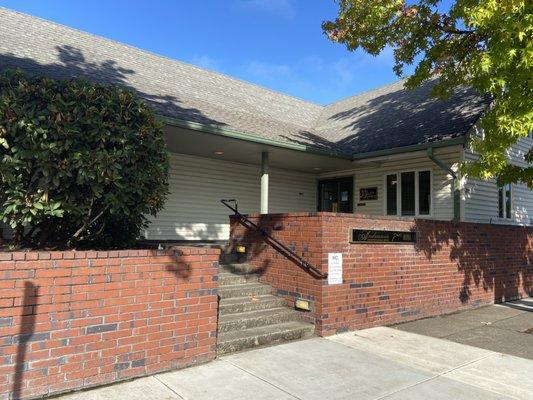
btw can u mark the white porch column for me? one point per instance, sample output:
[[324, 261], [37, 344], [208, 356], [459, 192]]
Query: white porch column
[[264, 182]]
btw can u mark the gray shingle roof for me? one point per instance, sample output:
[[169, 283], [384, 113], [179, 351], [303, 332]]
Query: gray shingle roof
[[392, 116], [384, 118]]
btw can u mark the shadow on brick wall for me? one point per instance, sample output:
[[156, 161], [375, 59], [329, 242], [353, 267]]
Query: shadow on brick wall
[[256, 243], [26, 333], [495, 257], [180, 269]]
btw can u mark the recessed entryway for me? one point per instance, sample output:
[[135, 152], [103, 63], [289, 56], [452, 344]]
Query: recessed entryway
[[336, 195]]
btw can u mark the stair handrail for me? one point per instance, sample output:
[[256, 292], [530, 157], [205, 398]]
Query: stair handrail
[[274, 243]]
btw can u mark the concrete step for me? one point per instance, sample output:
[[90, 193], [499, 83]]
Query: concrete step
[[252, 319], [226, 278], [244, 304], [238, 268], [230, 342], [243, 290]]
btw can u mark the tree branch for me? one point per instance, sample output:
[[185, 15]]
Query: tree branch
[[86, 225], [454, 31]]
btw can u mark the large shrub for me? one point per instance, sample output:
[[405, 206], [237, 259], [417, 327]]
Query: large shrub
[[82, 164]]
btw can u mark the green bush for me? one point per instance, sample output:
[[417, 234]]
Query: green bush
[[82, 164]]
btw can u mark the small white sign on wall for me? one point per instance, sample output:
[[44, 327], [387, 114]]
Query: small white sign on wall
[[334, 268]]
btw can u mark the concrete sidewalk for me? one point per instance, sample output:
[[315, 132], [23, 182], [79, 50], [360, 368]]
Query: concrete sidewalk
[[377, 363]]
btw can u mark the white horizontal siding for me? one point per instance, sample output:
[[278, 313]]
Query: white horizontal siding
[[518, 151], [193, 210], [481, 196], [372, 175]]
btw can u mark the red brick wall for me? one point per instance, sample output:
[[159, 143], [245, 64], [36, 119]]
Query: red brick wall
[[453, 266], [76, 319], [300, 233]]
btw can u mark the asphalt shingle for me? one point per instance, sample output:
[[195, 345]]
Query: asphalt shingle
[[383, 118]]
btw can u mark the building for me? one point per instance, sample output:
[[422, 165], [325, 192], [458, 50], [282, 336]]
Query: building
[[389, 151]]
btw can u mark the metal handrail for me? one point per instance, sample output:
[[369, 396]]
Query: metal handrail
[[275, 243]]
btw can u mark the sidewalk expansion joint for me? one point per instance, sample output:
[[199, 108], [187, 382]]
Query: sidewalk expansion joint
[[169, 388], [442, 374], [264, 380]]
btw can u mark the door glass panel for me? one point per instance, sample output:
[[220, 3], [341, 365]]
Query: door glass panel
[[345, 196], [392, 187], [329, 196], [424, 192], [408, 193]]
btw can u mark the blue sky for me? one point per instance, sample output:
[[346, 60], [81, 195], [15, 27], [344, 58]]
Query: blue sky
[[274, 43]]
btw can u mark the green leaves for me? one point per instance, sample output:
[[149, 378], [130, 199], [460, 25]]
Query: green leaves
[[484, 44], [76, 158]]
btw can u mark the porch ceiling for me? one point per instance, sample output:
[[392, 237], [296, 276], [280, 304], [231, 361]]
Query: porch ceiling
[[186, 141]]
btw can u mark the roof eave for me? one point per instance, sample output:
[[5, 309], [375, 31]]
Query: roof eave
[[234, 134], [407, 149]]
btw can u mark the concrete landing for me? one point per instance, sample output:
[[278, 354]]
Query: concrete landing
[[377, 363]]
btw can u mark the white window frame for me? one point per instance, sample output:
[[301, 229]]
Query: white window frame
[[417, 193], [511, 196]]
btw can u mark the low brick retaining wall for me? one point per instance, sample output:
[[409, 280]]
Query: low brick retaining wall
[[452, 266], [71, 320]]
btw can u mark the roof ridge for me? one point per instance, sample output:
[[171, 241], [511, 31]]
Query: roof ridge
[[365, 92], [344, 99], [288, 96]]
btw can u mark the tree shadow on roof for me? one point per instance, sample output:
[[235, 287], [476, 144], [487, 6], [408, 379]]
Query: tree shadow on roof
[[397, 118], [72, 63], [317, 142]]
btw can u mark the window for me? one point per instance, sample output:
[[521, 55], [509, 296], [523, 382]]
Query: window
[[504, 201], [408, 193], [424, 192]]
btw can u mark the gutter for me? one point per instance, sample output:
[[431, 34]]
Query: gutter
[[234, 134], [456, 190], [408, 149]]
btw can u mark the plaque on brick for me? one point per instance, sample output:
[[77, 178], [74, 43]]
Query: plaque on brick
[[382, 236]]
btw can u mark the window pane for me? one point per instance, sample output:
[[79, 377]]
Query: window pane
[[408, 193], [500, 202], [392, 187], [424, 192], [345, 195], [508, 201]]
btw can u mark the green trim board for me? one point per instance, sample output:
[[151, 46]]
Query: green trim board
[[222, 131], [408, 149], [234, 134]]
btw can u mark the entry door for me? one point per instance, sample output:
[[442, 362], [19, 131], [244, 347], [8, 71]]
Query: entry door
[[336, 195]]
